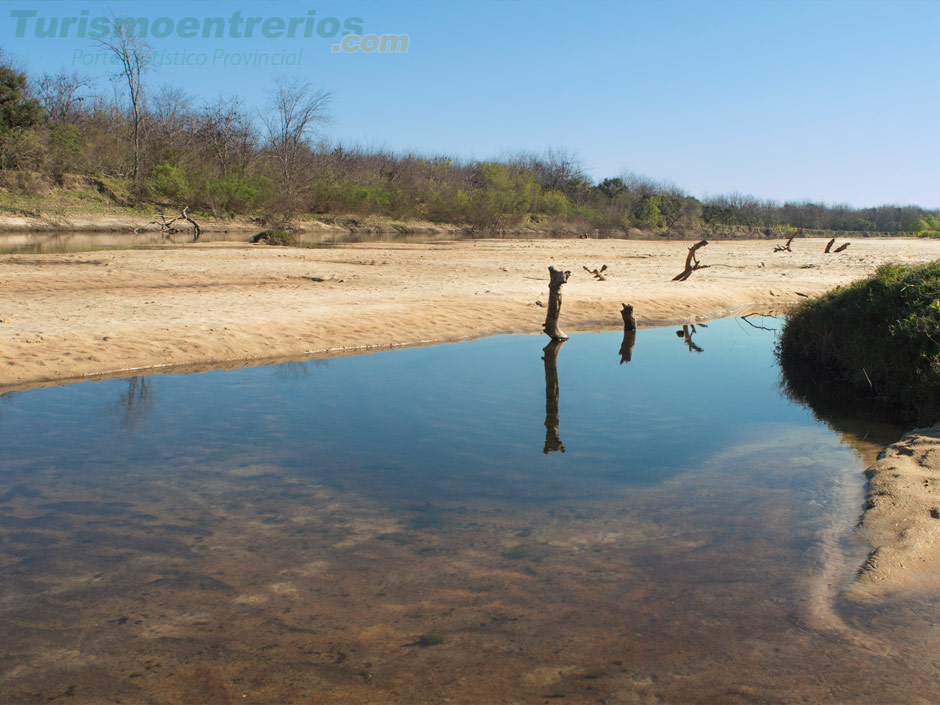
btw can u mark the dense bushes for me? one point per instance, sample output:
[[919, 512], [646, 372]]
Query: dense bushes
[[880, 335]]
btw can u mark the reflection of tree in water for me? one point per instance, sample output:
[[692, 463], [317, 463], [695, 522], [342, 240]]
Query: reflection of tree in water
[[686, 333], [136, 404], [862, 423], [552, 441], [296, 370], [6, 398]]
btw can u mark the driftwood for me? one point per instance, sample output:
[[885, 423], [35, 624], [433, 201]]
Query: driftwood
[[784, 248], [829, 245], [558, 278], [550, 357], [842, 247], [598, 273], [166, 225], [691, 263]]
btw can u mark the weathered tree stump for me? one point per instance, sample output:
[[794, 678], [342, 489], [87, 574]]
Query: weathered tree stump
[[691, 263], [629, 333], [558, 278], [550, 357], [629, 320]]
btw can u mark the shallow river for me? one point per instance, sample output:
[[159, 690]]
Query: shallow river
[[482, 522]]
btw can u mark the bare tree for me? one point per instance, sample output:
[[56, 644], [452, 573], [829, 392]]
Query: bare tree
[[62, 95], [133, 54], [297, 110], [227, 134]]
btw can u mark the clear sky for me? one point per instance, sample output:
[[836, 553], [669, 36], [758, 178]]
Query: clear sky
[[830, 100]]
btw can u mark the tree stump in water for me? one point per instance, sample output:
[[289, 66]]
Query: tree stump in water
[[550, 357], [629, 320], [558, 278]]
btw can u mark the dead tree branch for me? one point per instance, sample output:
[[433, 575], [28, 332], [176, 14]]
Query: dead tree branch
[[754, 325], [598, 273], [842, 247], [167, 227], [691, 263], [784, 248], [829, 245]]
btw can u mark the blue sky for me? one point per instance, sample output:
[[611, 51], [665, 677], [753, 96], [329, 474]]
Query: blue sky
[[829, 100]]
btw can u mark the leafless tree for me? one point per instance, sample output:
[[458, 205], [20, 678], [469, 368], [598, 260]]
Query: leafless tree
[[62, 95], [226, 132], [133, 54], [170, 118], [296, 112]]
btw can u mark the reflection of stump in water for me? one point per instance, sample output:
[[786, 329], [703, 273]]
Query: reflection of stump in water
[[552, 441], [687, 332], [626, 347], [629, 333]]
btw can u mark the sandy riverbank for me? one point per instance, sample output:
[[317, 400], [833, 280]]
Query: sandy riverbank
[[76, 315]]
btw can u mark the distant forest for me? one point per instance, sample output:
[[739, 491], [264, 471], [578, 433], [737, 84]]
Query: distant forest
[[158, 147]]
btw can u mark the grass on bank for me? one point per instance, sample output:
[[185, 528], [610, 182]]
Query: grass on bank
[[879, 335]]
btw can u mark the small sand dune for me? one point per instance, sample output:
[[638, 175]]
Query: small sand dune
[[902, 519]]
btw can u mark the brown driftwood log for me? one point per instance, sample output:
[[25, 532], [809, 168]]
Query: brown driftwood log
[[167, 227], [829, 245], [784, 248], [597, 273], [557, 279], [550, 357], [842, 247], [691, 263]]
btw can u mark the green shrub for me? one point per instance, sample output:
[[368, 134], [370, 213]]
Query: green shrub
[[169, 182], [880, 335]]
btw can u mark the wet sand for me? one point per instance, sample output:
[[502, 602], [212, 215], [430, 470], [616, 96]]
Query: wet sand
[[238, 582]]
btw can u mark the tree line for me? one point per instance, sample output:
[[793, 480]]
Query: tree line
[[222, 158]]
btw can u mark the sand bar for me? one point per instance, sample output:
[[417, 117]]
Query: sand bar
[[71, 316]]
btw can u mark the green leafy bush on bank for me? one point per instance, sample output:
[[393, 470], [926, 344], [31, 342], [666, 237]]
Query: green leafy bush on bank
[[880, 335]]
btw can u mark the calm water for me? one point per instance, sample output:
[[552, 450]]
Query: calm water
[[404, 527]]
